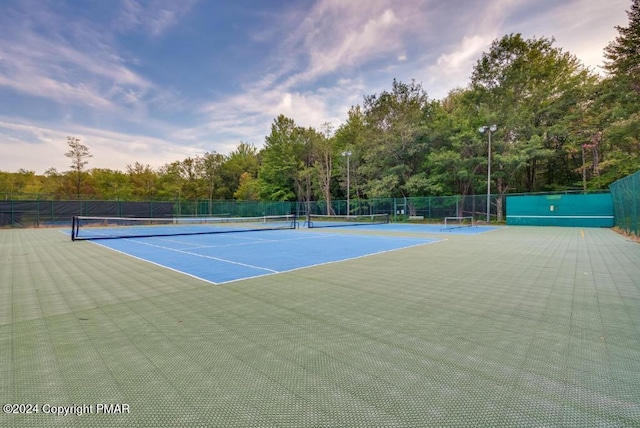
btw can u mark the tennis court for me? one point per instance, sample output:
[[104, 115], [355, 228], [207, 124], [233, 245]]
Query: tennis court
[[219, 258], [522, 326]]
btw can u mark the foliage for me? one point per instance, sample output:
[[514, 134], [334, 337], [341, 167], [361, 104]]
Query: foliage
[[248, 189], [622, 54], [617, 105], [283, 158], [79, 155], [239, 163], [527, 87], [395, 142]]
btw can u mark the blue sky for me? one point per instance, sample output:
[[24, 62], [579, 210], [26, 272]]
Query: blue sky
[[155, 81]]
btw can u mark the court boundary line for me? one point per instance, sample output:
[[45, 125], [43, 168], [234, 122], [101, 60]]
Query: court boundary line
[[203, 256], [269, 271], [412, 229], [259, 241], [153, 263], [323, 235], [434, 241]]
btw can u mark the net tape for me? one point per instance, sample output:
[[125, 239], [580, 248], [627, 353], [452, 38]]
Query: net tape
[[318, 220]]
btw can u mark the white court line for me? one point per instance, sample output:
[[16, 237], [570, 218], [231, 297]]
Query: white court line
[[255, 239], [335, 261], [203, 256], [324, 235], [158, 264], [269, 271], [237, 244]]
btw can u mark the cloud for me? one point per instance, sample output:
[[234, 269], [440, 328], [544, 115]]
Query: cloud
[[247, 116], [578, 26], [153, 16], [331, 39], [31, 147], [78, 64], [42, 147], [581, 27], [366, 40], [468, 50], [453, 69], [47, 67], [339, 37], [317, 58]]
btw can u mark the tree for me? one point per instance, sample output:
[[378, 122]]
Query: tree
[[282, 159], [527, 87], [324, 151], [622, 56], [191, 173], [143, 179], [110, 184], [249, 189], [457, 156], [170, 181], [52, 182], [79, 155], [351, 136], [23, 181], [244, 159], [307, 180], [396, 138], [617, 107], [211, 163]]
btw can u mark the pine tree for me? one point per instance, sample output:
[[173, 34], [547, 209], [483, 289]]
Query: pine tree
[[78, 153], [617, 104], [623, 54]]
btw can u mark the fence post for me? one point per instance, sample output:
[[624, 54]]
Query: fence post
[[635, 204]]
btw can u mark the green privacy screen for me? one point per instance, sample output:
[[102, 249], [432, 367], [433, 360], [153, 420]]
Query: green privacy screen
[[583, 210], [626, 199]]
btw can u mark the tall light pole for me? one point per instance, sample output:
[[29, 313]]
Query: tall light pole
[[348, 155], [489, 130]]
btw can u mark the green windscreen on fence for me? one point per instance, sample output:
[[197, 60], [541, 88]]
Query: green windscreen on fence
[[571, 209], [626, 203], [52, 213], [581, 210]]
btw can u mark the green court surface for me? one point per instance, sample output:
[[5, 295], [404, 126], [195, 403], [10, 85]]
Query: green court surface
[[518, 327]]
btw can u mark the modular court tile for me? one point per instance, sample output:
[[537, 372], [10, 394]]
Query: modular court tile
[[520, 326]]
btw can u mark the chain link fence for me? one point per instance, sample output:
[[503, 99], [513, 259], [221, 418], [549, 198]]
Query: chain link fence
[[626, 203], [42, 212], [38, 210]]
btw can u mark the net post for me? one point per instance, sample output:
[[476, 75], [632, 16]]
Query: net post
[[74, 222]]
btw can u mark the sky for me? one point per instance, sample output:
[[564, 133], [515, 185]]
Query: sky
[[157, 81]]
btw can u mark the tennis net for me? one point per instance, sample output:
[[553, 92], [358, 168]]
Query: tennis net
[[458, 222], [319, 220], [85, 227]]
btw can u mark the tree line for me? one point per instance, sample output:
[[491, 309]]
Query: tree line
[[558, 126]]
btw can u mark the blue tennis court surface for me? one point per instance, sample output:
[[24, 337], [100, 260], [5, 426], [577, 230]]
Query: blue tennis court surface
[[426, 228], [226, 257]]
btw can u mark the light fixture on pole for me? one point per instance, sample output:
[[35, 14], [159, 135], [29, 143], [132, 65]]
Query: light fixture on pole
[[348, 155], [489, 130]]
